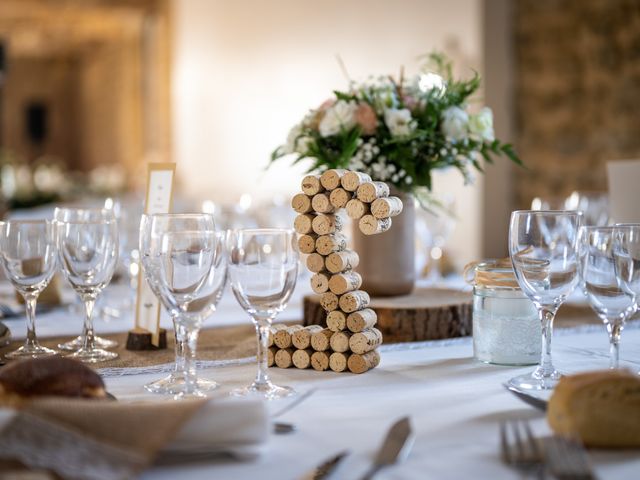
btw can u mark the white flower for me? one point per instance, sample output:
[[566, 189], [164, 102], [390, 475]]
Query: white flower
[[481, 125], [399, 121], [340, 116], [296, 143], [454, 123]]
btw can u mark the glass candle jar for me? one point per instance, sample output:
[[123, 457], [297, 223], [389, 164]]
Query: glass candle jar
[[506, 327]]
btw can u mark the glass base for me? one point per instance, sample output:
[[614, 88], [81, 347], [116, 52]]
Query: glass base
[[32, 351], [264, 390], [174, 385], [94, 355], [536, 381], [78, 342]]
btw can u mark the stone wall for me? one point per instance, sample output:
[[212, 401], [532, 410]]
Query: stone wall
[[577, 92]]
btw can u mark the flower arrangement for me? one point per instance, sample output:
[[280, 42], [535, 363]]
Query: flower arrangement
[[400, 131]]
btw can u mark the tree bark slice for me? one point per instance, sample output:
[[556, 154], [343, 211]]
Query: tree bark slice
[[425, 314]]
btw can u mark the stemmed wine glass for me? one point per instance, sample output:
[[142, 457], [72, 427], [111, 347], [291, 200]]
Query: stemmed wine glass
[[87, 242], [89, 215], [28, 255], [543, 246], [601, 285], [199, 309], [178, 255], [263, 267]]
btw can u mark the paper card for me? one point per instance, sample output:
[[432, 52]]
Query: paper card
[[624, 194], [158, 199]]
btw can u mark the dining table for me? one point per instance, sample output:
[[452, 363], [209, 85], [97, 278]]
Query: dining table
[[455, 404]]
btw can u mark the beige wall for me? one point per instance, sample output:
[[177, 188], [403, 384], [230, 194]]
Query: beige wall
[[246, 71]]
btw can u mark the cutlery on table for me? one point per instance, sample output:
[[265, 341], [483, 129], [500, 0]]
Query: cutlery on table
[[520, 449], [567, 459], [532, 400], [325, 470], [280, 428], [395, 447]]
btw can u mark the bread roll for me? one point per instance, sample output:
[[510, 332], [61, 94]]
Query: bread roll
[[602, 408]]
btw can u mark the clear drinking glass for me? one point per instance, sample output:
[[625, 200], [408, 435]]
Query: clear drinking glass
[[178, 255], [87, 242], [199, 309], [611, 303], [543, 246], [263, 267], [28, 255], [82, 214]]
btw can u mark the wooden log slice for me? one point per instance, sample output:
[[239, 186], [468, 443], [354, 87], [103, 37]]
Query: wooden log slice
[[140, 339], [426, 314]]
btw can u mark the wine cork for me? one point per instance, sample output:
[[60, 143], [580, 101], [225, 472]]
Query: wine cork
[[338, 361], [365, 341], [386, 207], [320, 340], [301, 203], [271, 356], [307, 243], [315, 262], [339, 197], [341, 283], [362, 363], [324, 224], [336, 321], [320, 283], [321, 204], [329, 301], [303, 223], [361, 320], [356, 209], [340, 341], [302, 358], [369, 191], [350, 181], [327, 244], [352, 301], [283, 358], [320, 361], [311, 185], [342, 261], [370, 225], [273, 329], [282, 338], [301, 339], [331, 178]]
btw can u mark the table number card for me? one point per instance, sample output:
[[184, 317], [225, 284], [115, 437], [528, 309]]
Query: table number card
[[158, 200]]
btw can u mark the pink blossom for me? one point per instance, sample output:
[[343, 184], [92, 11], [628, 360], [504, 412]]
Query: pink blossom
[[366, 118]]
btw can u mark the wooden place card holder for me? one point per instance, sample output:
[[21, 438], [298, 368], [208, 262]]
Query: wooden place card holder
[[350, 339]]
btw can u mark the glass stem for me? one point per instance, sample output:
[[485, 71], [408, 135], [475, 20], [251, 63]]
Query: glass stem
[[262, 332], [178, 368], [546, 318], [614, 329], [88, 337], [30, 304], [188, 336]]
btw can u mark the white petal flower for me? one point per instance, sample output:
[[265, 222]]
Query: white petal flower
[[295, 142], [455, 122], [399, 122], [340, 116], [481, 125]]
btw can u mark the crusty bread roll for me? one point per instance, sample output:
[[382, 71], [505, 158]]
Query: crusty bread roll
[[53, 376], [601, 408]]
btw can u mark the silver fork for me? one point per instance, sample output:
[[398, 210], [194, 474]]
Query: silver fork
[[567, 459], [520, 449]]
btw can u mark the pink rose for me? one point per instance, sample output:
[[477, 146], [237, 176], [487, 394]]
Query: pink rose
[[366, 118], [327, 104], [410, 102]]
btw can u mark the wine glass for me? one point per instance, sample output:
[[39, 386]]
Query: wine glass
[[611, 303], [178, 256], [28, 256], [200, 309], [263, 266], [543, 246], [89, 215], [87, 242]]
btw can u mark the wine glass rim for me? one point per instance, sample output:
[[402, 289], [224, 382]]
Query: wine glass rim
[[263, 231], [599, 227], [102, 221], [546, 212], [627, 225], [178, 215], [33, 221]]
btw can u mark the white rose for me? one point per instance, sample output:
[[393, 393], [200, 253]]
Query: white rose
[[340, 116], [399, 122], [481, 125], [454, 123], [295, 142]]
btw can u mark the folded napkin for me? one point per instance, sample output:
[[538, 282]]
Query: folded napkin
[[81, 439]]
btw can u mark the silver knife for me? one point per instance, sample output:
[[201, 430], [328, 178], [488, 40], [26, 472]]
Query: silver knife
[[326, 468], [395, 448]]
